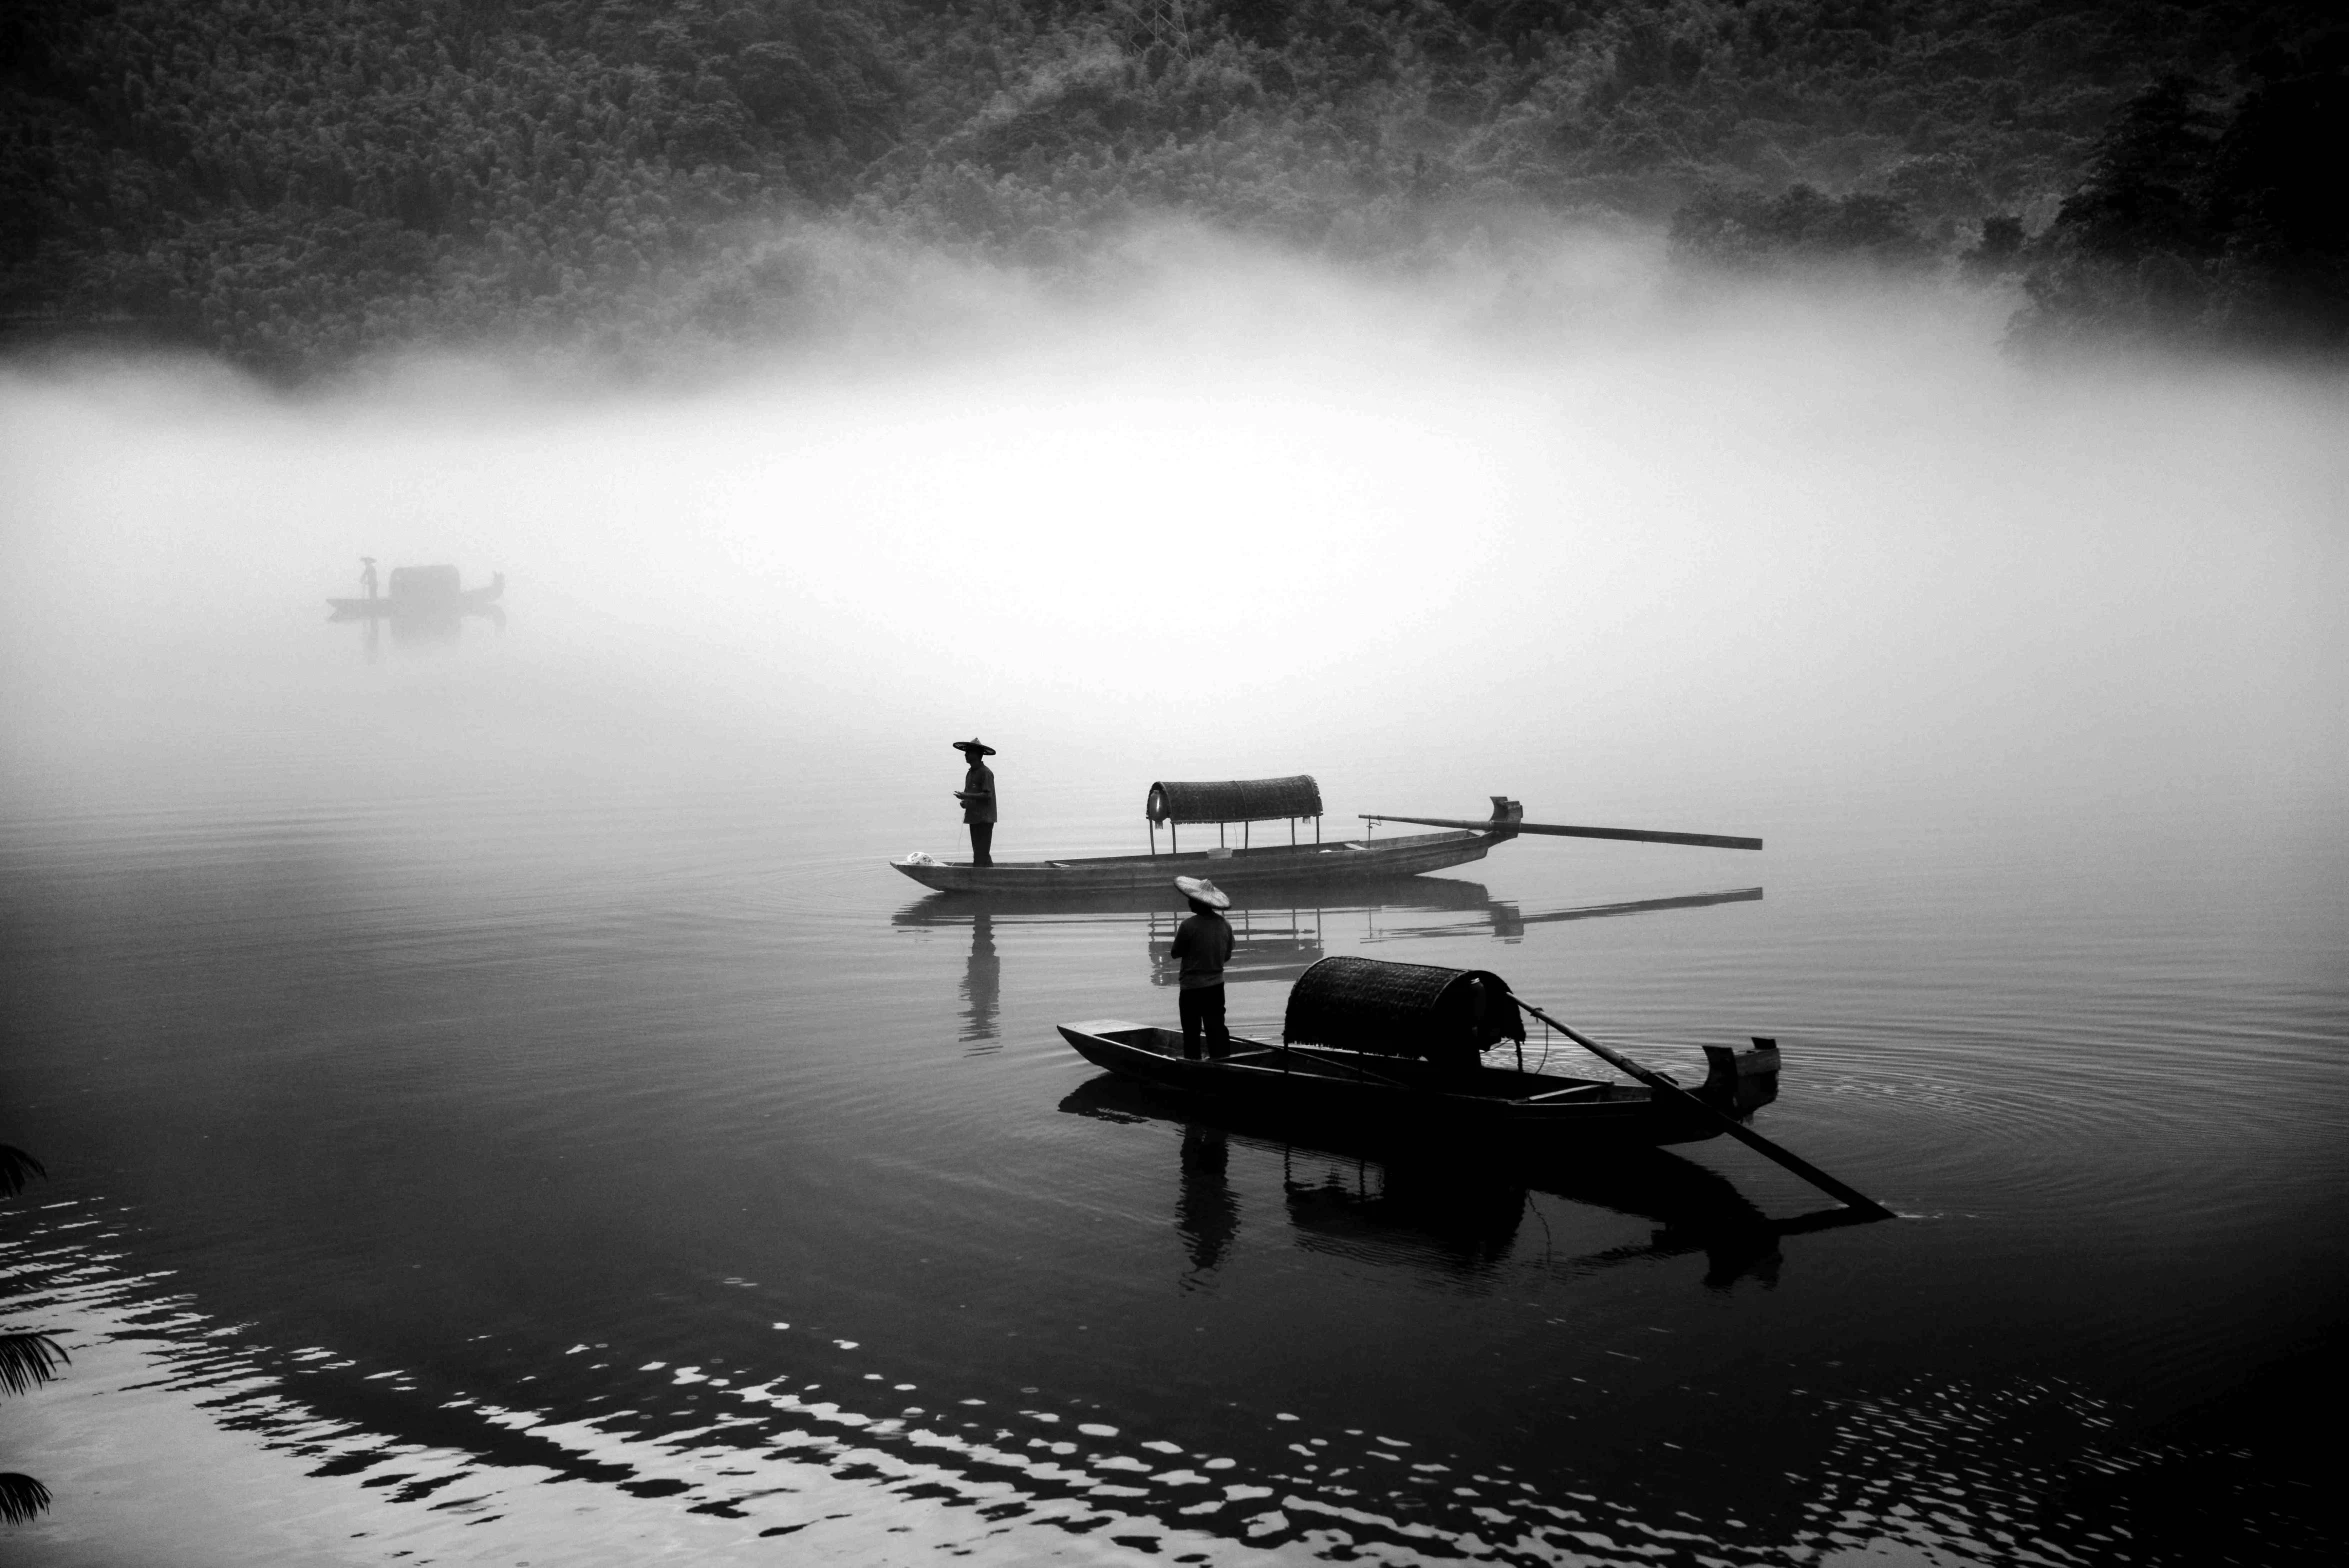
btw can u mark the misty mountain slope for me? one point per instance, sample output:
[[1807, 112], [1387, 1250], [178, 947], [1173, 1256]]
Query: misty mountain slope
[[295, 185]]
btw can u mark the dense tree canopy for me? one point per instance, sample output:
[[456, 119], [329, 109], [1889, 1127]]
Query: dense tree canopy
[[2220, 224], [297, 182]]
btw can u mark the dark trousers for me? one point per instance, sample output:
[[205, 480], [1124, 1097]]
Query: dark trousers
[[1202, 1012], [982, 840]]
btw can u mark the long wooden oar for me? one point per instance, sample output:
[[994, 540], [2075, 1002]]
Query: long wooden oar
[[1635, 835], [1729, 1124]]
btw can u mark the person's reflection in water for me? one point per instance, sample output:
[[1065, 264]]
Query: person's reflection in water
[[982, 980], [1207, 1216]]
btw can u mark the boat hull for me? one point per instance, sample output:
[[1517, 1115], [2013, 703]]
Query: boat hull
[[1334, 1091], [1294, 864]]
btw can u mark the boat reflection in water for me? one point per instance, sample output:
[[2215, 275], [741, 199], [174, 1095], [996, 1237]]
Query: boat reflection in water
[[1281, 944], [416, 632], [1267, 944], [1457, 1210], [1278, 933]]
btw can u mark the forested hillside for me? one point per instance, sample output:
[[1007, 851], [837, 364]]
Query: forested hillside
[[297, 182]]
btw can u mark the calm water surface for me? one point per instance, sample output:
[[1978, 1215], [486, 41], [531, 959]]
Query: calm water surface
[[489, 1123]]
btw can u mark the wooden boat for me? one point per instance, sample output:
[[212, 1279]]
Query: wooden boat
[[1245, 802], [422, 593], [1320, 1087], [1354, 860], [1374, 1048]]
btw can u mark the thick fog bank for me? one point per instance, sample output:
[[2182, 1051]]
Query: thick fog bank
[[1610, 546]]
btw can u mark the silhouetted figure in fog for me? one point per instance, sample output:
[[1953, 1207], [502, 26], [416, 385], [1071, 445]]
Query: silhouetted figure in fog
[[978, 799], [1203, 945], [367, 574]]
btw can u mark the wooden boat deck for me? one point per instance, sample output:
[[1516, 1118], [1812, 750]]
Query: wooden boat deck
[[1337, 861]]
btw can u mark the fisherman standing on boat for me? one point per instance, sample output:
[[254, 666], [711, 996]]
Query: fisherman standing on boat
[[367, 577], [1203, 944], [978, 799]]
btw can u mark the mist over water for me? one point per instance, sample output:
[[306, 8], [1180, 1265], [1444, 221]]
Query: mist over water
[[556, 962], [1709, 553]]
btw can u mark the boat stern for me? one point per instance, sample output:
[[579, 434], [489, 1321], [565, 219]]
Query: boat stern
[[1740, 1083]]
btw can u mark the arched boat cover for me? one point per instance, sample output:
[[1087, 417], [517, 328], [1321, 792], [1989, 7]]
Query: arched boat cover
[[1234, 800], [1366, 1004], [424, 582]]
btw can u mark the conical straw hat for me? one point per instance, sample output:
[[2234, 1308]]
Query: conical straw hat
[[1204, 891]]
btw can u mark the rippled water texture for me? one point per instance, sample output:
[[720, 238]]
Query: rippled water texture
[[500, 1106]]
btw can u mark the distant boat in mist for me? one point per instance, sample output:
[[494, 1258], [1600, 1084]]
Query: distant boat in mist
[[420, 593]]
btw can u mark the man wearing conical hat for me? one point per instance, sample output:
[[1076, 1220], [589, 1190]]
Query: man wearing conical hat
[[1203, 945], [978, 799]]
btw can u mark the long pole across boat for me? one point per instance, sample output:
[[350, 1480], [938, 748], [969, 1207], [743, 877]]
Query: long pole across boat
[[1561, 830], [1728, 1124]]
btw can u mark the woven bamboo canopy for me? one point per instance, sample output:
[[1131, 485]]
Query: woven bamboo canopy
[[1366, 1004], [1233, 800], [424, 582]]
